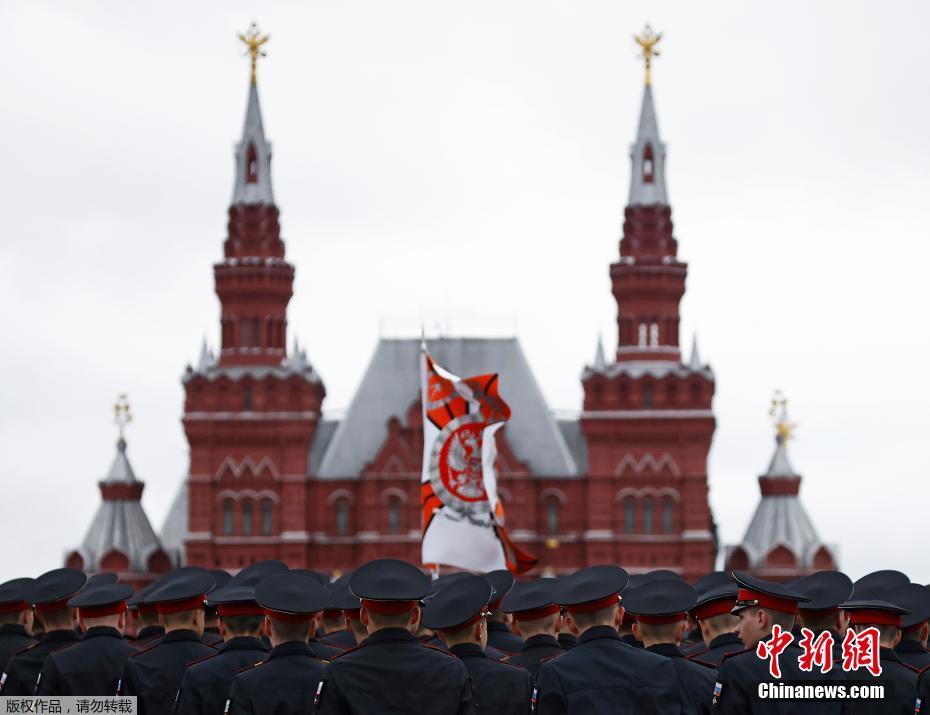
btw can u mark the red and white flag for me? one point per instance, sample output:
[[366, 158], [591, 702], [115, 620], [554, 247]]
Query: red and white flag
[[463, 519]]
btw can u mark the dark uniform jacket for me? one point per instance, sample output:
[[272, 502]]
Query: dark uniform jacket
[[740, 673], [503, 639], [602, 674], [286, 683], [24, 667], [393, 672], [913, 653], [91, 667], [567, 640], [535, 650], [343, 638], [148, 637], [154, 674], [489, 651], [206, 683], [211, 636], [324, 651], [13, 637], [630, 639], [718, 649], [499, 689], [923, 691], [900, 681], [697, 679]]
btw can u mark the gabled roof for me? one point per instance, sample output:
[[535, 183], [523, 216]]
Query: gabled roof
[[392, 384]]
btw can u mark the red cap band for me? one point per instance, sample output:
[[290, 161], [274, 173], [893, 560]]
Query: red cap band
[[110, 609], [597, 605], [188, 604], [14, 607], [873, 616], [714, 608], [764, 600], [663, 619], [52, 605], [474, 619], [147, 609], [536, 613], [332, 613], [354, 613], [244, 608], [388, 608], [289, 617]]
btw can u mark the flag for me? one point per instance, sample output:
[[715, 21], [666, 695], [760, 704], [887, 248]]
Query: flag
[[462, 517]]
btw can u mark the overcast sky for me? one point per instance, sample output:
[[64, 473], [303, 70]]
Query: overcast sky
[[466, 165]]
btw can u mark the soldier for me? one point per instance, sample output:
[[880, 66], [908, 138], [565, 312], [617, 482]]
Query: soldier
[[206, 683], [211, 626], [762, 605], [826, 590], [337, 618], [288, 680], [898, 678], [459, 614], [390, 671], [48, 594], [93, 666], [914, 626], [717, 624], [500, 637], [537, 616], [602, 674], [661, 610], [150, 628], [154, 674], [923, 690], [704, 585], [15, 618]]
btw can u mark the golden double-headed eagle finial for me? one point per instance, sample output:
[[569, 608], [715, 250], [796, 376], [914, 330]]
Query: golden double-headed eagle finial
[[784, 429], [121, 414], [254, 40], [647, 42]]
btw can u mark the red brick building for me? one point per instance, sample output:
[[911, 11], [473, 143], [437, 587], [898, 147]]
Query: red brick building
[[271, 477]]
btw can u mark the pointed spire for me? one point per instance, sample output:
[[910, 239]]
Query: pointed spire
[[600, 362], [206, 360], [253, 153], [784, 430], [121, 470], [695, 363], [647, 154]]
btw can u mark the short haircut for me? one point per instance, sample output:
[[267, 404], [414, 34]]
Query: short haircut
[[283, 631], [58, 620], [546, 623], [661, 632], [819, 623], [180, 619], [594, 618], [249, 625], [384, 620]]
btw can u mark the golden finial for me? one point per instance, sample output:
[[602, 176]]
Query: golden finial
[[254, 40], [784, 429], [122, 416], [647, 42]]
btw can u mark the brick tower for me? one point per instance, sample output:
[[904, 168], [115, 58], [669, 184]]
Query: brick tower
[[647, 416], [251, 413]]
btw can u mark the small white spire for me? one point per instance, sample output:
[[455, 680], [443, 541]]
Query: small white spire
[[647, 153], [600, 362], [695, 363], [252, 183], [205, 362]]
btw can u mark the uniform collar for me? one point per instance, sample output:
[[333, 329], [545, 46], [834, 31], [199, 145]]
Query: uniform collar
[[595, 632], [669, 650], [498, 626], [179, 635], [386, 635], [243, 643], [291, 648], [910, 646], [467, 650], [149, 631], [887, 654], [17, 628], [61, 635], [540, 640], [725, 639], [99, 631]]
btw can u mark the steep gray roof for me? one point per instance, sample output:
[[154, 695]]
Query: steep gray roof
[[174, 528], [253, 133], [643, 192], [392, 384], [779, 466], [120, 524]]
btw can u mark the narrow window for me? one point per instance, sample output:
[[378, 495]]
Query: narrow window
[[647, 396], [251, 165], [643, 334], [629, 515], [247, 398], [394, 515], [648, 165], [257, 335], [647, 515], [668, 515], [552, 515], [654, 334], [228, 525], [342, 517], [244, 333], [247, 518], [266, 516]]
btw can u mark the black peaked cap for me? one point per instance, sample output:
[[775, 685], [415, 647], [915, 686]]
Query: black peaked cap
[[220, 577], [232, 593], [185, 586], [101, 595], [726, 591], [389, 580], [254, 574], [456, 604], [320, 577], [291, 593], [530, 595], [660, 597], [57, 585], [501, 581], [770, 588], [915, 598], [101, 579], [824, 589], [17, 590], [874, 585], [591, 584], [339, 595], [713, 581]]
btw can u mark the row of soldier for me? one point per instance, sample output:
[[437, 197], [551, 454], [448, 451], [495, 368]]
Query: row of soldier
[[388, 638]]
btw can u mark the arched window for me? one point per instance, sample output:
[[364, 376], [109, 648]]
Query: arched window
[[251, 165], [643, 334], [247, 517], [552, 515], [247, 397], [668, 515], [228, 523], [648, 165], [244, 333], [654, 334], [342, 516], [648, 509], [647, 396], [266, 516], [257, 333], [629, 515], [394, 515]]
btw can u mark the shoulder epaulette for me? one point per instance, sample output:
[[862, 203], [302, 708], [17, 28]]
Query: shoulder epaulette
[[347, 650], [705, 663], [435, 648], [736, 653], [24, 650], [201, 660], [143, 651], [551, 657], [249, 667], [695, 655], [915, 669]]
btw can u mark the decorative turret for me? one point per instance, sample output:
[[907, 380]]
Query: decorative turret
[[781, 542], [120, 537]]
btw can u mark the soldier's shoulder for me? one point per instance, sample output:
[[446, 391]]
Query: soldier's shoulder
[[192, 664], [24, 651], [437, 649], [250, 668], [736, 657], [704, 663]]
